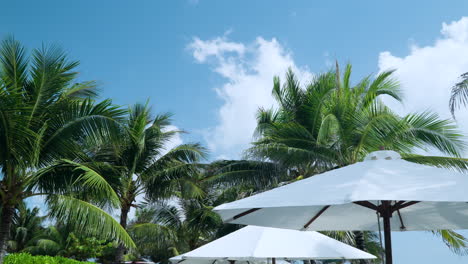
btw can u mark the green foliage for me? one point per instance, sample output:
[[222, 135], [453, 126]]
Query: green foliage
[[83, 248], [332, 122], [46, 119], [24, 258], [459, 96], [62, 240], [27, 224]]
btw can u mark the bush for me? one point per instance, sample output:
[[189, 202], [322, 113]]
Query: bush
[[24, 258]]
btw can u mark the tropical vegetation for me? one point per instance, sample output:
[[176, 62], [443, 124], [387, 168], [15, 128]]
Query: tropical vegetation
[[93, 161], [46, 116], [332, 122], [24, 258]]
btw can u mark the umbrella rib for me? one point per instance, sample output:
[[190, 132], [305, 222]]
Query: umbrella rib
[[402, 227], [369, 205], [244, 213], [399, 206], [315, 217]]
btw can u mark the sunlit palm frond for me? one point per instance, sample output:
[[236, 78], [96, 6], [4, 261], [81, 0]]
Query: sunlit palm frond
[[428, 129], [13, 64], [456, 242], [83, 90], [459, 164], [88, 218]]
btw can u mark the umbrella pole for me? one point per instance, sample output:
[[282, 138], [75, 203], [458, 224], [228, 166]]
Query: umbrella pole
[[273, 261], [387, 214]]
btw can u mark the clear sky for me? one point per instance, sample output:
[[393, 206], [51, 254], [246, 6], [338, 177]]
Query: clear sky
[[211, 63]]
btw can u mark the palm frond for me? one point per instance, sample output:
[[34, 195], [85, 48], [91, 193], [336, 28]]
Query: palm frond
[[81, 90], [93, 181], [88, 218], [14, 64], [454, 163], [456, 242], [459, 96]]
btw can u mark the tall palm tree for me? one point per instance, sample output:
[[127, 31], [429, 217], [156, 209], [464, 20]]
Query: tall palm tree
[[139, 163], [332, 123], [44, 118]]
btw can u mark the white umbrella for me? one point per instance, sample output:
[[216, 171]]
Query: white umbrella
[[254, 243], [179, 259], [407, 196]]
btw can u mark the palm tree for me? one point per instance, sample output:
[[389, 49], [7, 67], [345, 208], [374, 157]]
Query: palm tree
[[52, 241], [332, 123], [164, 229], [170, 227], [459, 94], [139, 165], [26, 225], [62, 240], [44, 118]]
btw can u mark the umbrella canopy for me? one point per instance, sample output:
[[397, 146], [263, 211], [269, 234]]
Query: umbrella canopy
[[179, 259], [254, 243], [405, 195]]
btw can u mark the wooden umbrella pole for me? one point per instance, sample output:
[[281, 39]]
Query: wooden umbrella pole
[[386, 215], [273, 261]]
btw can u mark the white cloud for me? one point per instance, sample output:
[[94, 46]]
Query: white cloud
[[248, 71], [217, 47], [428, 73]]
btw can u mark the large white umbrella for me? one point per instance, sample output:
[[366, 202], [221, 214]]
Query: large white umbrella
[[405, 195], [254, 243]]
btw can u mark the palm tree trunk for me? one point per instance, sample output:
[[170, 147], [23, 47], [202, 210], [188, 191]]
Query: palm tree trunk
[[123, 222], [359, 240], [5, 221]]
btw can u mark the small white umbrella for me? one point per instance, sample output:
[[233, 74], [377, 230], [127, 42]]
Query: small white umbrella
[[254, 243], [179, 259], [406, 195]]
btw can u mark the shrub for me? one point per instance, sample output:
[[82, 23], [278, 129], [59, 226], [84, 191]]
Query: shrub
[[24, 258]]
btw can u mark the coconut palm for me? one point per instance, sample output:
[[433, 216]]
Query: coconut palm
[[61, 240], [332, 123], [52, 241], [44, 118], [139, 163], [169, 227], [164, 229], [27, 224]]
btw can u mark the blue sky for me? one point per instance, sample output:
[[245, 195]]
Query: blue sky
[[211, 63]]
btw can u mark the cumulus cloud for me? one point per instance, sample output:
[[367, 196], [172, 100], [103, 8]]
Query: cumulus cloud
[[427, 73], [248, 70]]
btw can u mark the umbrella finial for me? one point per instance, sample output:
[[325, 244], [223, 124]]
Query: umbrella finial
[[383, 155]]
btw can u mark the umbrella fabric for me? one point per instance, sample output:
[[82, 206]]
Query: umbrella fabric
[[261, 243], [179, 259], [427, 198]]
